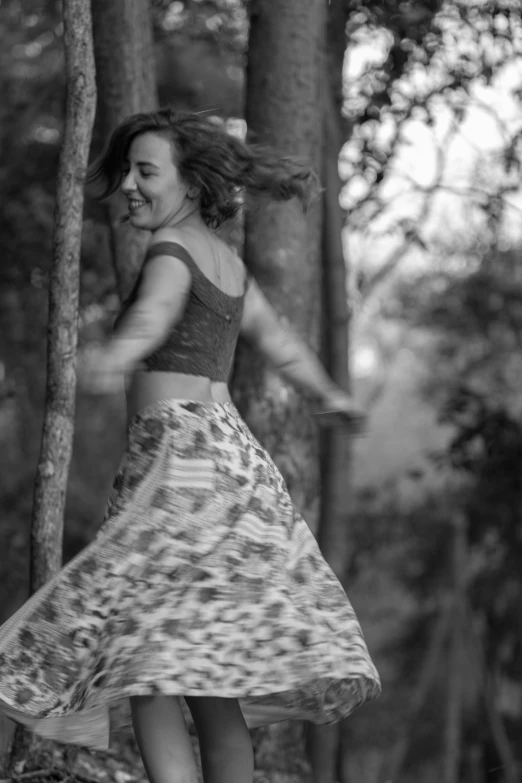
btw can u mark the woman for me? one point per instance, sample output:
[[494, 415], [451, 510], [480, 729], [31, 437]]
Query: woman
[[204, 581]]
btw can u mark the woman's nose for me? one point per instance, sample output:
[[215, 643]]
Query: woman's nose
[[128, 184]]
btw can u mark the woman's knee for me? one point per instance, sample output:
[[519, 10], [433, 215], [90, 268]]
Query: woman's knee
[[220, 723], [163, 739], [141, 702], [224, 740]]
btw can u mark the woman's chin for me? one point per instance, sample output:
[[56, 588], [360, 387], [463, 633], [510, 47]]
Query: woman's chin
[[137, 222]]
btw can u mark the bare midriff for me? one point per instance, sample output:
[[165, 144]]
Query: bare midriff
[[146, 388]]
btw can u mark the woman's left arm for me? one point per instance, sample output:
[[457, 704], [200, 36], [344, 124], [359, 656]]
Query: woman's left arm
[[290, 355]]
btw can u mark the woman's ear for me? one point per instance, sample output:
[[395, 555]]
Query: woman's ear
[[193, 193]]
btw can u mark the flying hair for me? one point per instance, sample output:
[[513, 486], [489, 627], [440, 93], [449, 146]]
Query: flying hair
[[217, 165]]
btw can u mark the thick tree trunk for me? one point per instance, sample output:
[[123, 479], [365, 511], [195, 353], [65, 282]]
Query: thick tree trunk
[[58, 428], [126, 79], [283, 250]]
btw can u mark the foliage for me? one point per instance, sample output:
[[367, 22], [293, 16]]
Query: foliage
[[477, 316], [471, 302], [487, 447], [224, 22], [434, 64], [201, 46], [469, 306]]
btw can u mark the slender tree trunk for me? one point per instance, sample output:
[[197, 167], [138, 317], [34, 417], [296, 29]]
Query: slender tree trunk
[[126, 79], [62, 335], [325, 743], [58, 428], [431, 667], [457, 661], [283, 250], [333, 534]]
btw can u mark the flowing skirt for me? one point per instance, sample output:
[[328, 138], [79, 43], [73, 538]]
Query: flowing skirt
[[203, 580]]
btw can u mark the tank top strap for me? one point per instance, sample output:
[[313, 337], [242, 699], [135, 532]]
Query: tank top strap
[[172, 249]]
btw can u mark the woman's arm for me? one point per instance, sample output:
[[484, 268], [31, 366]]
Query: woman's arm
[[289, 354], [160, 302]]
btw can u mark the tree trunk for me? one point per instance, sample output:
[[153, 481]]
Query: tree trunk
[[283, 250], [58, 428], [333, 532], [126, 79], [64, 286], [333, 535], [457, 661], [430, 669]]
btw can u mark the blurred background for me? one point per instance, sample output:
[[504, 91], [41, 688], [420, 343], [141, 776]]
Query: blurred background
[[428, 102]]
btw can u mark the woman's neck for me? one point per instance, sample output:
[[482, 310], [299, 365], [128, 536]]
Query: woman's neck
[[190, 218]]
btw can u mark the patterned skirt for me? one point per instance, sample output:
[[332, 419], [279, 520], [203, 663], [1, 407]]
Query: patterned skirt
[[202, 581]]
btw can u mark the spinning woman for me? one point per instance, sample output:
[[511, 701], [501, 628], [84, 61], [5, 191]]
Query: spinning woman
[[204, 582]]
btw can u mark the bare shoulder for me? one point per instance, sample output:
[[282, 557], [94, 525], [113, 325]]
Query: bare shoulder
[[166, 276], [169, 234]]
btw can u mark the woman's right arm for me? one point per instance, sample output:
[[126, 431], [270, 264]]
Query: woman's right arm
[[160, 303]]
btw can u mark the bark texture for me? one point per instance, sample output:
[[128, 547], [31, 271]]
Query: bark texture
[[283, 251], [333, 534], [283, 245], [58, 428], [328, 745], [126, 80]]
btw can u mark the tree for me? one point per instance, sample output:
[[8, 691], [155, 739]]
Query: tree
[[126, 79], [282, 246], [58, 427], [336, 504]]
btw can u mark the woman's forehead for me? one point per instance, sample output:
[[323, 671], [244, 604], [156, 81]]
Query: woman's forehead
[[151, 147]]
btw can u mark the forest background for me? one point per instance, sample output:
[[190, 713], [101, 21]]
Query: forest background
[[405, 276]]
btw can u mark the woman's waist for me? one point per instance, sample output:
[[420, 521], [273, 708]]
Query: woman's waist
[[149, 387]]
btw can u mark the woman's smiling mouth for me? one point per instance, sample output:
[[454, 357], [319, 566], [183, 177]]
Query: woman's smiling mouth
[[135, 204]]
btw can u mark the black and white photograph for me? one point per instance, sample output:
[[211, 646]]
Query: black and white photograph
[[260, 391]]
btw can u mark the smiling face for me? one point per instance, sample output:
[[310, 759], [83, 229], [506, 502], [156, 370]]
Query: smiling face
[[156, 194]]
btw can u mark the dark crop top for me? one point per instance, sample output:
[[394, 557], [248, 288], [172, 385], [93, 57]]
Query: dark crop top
[[203, 342]]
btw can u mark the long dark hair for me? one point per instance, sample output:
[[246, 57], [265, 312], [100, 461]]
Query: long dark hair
[[218, 165]]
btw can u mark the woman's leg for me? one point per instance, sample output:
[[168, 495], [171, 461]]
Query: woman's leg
[[224, 740], [322, 745], [163, 739]]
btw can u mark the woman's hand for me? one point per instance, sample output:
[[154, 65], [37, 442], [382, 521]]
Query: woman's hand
[[100, 369], [338, 408]]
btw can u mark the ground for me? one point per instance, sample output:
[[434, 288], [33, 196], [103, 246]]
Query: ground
[[52, 763]]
